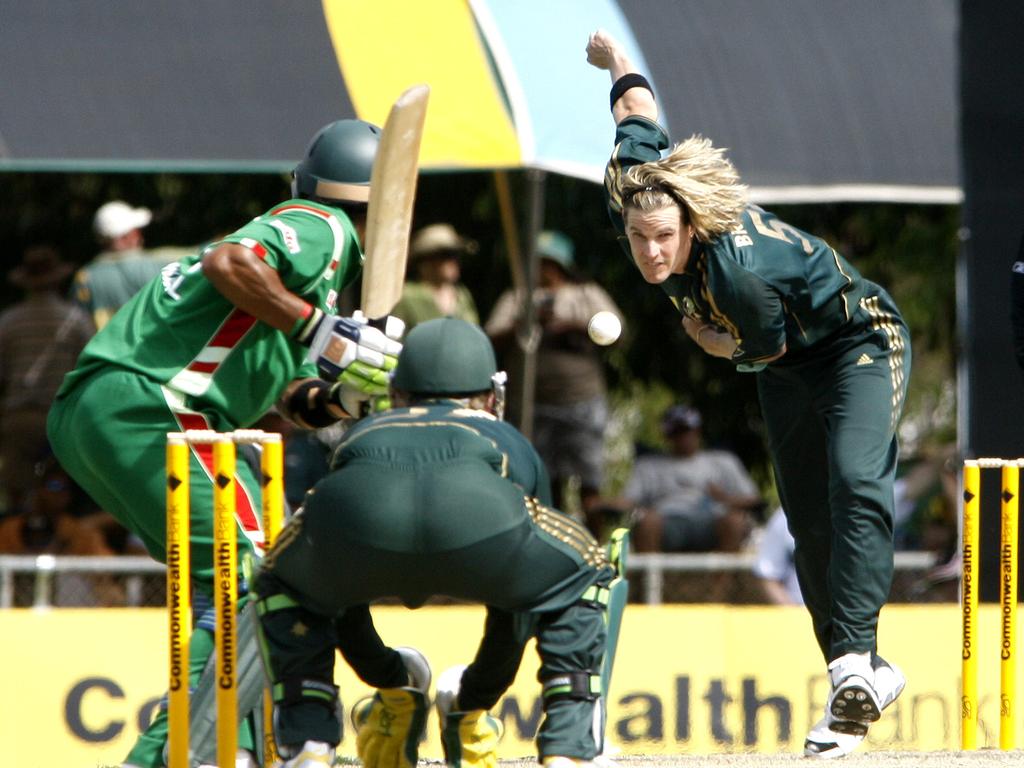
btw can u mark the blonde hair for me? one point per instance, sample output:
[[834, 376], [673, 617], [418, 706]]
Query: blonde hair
[[698, 178]]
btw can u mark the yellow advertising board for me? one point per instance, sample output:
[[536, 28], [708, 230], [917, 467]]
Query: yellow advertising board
[[79, 683]]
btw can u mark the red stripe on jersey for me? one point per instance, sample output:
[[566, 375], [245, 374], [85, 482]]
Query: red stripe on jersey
[[307, 208], [245, 512], [259, 250], [232, 329], [204, 367]]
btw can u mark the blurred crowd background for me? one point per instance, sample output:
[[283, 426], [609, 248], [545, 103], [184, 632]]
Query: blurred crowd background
[[650, 403]]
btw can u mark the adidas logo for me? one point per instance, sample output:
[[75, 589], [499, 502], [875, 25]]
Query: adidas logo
[[864, 359]]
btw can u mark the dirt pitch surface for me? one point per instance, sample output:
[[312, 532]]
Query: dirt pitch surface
[[980, 758]]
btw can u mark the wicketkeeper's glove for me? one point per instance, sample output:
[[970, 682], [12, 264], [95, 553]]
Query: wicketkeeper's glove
[[349, 351], [389, 726], [469, 739]]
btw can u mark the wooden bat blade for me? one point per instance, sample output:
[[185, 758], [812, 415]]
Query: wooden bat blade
[[392, 193]]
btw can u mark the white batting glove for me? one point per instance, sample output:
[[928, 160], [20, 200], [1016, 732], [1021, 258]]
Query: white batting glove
[[350, 351]]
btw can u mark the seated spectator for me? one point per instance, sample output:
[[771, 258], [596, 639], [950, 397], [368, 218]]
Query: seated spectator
[[433, 289], [691, 499], [774, 566], [51, 524]]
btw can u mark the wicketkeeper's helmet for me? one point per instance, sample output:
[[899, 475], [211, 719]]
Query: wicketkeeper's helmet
[[445, 356], [338, 162]]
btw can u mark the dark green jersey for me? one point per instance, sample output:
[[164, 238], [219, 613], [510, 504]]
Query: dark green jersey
[[767, 283], [443, 431], [181, 332]]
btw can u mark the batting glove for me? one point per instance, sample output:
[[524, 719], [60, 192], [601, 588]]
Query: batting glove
[[351, 352]]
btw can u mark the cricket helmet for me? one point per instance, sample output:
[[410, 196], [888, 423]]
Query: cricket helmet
[[445, 356], [337, 165]]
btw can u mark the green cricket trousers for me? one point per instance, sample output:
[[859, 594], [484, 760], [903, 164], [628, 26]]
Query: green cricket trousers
[[831, 414], [109, 434], [452, 527]]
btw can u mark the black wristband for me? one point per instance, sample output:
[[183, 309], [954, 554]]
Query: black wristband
[[624, 83], [305, 328]]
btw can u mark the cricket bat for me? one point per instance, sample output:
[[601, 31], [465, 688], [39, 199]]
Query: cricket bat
[[392, 193]]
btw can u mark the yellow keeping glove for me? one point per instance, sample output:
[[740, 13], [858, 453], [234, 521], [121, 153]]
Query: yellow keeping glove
[[470, 739], [389, 726]]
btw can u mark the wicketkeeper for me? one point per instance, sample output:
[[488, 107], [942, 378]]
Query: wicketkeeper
[[213, 343], [435, 497]]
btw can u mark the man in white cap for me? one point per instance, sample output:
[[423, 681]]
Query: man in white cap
[[122, 267]]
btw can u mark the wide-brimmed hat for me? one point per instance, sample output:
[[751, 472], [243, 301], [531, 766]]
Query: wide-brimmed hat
[[440, 240], [117, 218], [41, 267]]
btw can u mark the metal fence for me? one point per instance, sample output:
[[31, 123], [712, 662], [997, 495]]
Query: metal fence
[[44, 581]]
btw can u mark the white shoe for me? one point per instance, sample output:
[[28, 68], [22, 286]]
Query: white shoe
[[418, 668], [314, 754], [853, 704], [448, 685], [889, 681], [243, 759], [825, 744]]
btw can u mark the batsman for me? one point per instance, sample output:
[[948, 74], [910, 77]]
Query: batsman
[[213, 343], [437, 496]]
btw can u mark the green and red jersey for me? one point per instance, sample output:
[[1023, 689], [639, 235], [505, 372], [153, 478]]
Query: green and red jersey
[[182, 333]]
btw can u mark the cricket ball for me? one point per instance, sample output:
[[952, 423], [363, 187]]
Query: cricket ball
[[604, 328]]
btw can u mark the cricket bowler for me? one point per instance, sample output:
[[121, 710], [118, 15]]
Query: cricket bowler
[[831, 354]]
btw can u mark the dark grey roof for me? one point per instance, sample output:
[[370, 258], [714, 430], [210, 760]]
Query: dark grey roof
[[816, 99]]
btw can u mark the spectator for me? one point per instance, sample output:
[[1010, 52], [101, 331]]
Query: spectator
[[435, 291], [571, 406], [40, 338], [51, 523], [122, 267], [774, 566], [692, 499]]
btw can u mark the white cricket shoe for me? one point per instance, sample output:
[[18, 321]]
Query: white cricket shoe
[[314, 754], [448, 685], [825, 742], [243, 759], [566, 762], [889, 681], [417, 666], [853, 703]]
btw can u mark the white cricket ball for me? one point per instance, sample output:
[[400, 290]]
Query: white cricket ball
[[604, 328]]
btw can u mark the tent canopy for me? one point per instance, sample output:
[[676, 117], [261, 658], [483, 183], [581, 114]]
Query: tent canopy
[[816, 100]]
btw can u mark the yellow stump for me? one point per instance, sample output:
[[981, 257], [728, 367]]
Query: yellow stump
[[225, 543], [179, 598], [272, 466], [1009, 509], [969, 608]]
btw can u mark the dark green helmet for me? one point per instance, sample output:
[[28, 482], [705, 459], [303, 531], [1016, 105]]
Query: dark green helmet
[[446, 356], [337, 165]]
